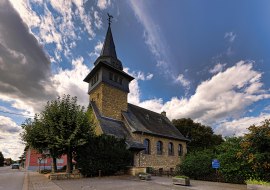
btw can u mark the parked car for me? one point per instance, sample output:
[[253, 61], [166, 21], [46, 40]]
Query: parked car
[[15, 166]]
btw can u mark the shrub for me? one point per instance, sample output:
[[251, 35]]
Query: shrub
[[105, 153], [197, 164]]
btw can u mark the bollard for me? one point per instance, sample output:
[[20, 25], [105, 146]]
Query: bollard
[[99, 173]]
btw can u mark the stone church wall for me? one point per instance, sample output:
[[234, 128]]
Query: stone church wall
[[110, 100], [154, 160]]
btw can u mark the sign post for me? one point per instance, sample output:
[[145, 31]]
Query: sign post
[[216, 165]]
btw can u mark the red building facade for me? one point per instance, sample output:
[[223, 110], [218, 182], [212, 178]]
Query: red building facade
[[34, 161]]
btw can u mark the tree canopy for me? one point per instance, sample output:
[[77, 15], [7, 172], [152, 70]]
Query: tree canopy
[[201, 136], [60, 127], [2, 159]]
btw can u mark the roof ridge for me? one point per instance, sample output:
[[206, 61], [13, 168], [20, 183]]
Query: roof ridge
[[145, 109]]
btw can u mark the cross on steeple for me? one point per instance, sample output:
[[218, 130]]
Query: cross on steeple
[[109, 19]]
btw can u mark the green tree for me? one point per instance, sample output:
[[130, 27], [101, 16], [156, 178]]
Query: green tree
[[105, 153], [40, 137], [198, 164], [233, 168], [201, 136], [2, 159], [60, 127], [255, 149]]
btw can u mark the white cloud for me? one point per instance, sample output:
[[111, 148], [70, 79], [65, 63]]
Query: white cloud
[[97, 50], [238, 127], [71, 81], [224, 96], [8, 126], [152, 34], [10, 144], [98, 21], [26, 12], [183, 81], [230, 36], [218, 68], [103, 4]]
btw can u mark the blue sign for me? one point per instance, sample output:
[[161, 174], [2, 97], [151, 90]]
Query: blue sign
[[215, 164]]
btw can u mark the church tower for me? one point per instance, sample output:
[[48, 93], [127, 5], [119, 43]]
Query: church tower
[[108, 83]]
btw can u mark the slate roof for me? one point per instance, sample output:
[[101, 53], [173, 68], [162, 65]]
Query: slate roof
[[108, 48], [146, 121], [116, 128]]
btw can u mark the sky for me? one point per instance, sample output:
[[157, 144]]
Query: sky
[[206, 60]]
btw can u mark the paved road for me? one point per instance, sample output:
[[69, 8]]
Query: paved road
[[11, 179]]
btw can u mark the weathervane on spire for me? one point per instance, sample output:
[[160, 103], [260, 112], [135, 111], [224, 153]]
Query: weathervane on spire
[[109, 19]]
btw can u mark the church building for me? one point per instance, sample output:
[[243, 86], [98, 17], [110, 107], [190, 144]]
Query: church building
[[151, 137]]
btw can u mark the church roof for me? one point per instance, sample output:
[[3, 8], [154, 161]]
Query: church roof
[[115, 128], [108, 46], [145, 121]]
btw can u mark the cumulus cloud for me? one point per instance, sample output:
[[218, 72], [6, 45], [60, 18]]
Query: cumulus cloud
[[238, 127], [10, 144], [25, 68], [8, 126], [217, 68], [134, 94], [70, 81], [224, 96]]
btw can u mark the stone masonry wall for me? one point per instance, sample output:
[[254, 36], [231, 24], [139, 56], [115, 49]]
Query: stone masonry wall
[[109, 100], [154, 160]]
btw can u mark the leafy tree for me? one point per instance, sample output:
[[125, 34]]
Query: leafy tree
[[61, 127], [40, 137], [232, 168], [256, 149], [198, 164], [201, 136], [2, 159], [105, 153]]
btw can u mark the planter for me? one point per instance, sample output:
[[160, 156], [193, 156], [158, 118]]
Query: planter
[[144, 176], [257, 187], [181, 181]]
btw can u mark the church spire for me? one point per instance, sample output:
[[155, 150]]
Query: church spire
[[108, 52], [108, 46]]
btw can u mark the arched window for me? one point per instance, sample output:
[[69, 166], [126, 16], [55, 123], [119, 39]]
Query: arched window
[[170, 149], [159, 147], [146, 144], [180, 150]]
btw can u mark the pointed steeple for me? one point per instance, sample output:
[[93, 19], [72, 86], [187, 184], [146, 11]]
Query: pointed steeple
[[108, 48], [108, 53]]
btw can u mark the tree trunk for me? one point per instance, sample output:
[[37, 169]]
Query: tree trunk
[[54, 166], [69, 161]]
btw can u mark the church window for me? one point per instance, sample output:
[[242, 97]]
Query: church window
[[170, 148], [111, 76], [159, 147], [180, 150], [146, 144], [120, 80], [94, 79]]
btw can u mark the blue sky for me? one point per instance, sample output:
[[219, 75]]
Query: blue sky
[[207, 60]]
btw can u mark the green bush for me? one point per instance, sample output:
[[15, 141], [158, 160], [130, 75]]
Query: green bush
[[232, 168], [105, 153], [197, 165]]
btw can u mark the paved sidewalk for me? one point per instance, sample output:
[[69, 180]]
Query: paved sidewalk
[[36, 181]]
